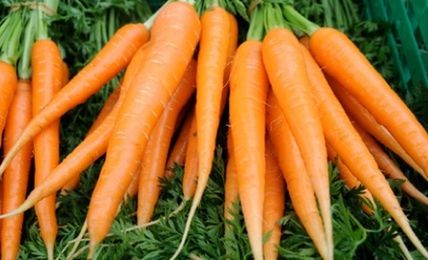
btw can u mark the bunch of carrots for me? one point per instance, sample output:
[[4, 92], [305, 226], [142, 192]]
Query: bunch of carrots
[[293, 105]]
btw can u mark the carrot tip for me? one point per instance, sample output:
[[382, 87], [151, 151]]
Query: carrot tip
[[24, 206], [50, 251], [92, 248]]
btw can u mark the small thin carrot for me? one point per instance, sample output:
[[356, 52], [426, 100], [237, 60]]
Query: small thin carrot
[[47, 80], [285, 66], [274, 203], [344, 139], [178, 152], [299, 185], [231, 184], [115, 55], [190, 177], [15, 179], [388, 167], [132, 190], [8, 83], [156, 151], [166, 62], [107, 108], [364, 118]]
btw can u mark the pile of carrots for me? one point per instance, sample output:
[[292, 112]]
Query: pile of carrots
[[293, 104]]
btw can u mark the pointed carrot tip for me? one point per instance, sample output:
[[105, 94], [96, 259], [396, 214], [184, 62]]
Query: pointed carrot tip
[[92, 247], [50, 251]]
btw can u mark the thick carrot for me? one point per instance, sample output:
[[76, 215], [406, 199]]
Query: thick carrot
[[349, 179], [364, 118], [285, 66], [274, 203], [15, 179], [47, 80], [248, 89], [156, 151], [190, 177], [115, 55], [344, 139], [214, 51], [389, 168], [91, 148], [178, 152], [355, 73], [166, 62], [292, 166], [231, 184], [107, 108], [8, 83]]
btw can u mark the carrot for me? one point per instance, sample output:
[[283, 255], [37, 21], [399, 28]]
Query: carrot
[[166, 62], [214, 52], [190, 177], [132, 190], [107, 108], [364, 118], [178, 152], [350, 180], [8, 83], [274, 203], [389, 168], [231, 183], [89, 150], [47, 80], [15, 179], [285, 66], [341, 135], [156, 151], [249, 85], [115, 55], [292, 166], [361, 80]]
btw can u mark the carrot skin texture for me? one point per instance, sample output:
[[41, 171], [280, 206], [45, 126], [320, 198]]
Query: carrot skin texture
[[156, 151], [361, 80], [168, 55], [274, 203], [8, 83], [287, 73], [231, 195], [388, 167], [107, 108], [15, 179], [115, 55], [293, 168], [47, 80], [178, 152], [248, 89], [349, 179], [344, 139], [190, 177], [363, 117]]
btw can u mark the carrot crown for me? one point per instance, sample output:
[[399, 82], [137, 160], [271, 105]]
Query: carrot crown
[[10, 36], [298, 21]]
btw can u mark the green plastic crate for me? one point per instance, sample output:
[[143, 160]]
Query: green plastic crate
[[408, 36]]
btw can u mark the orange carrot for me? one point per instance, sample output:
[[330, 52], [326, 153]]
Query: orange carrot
[[166, 61], [132, 190], [285, 66], [190, 177], [389, 168], [91, 148], [15, 179], [350, 180], [115, 55], [178, 152], [299, 185], [355, 73], [274, 203], [156, 151], [214, 51], [248, 90], [341, 135], [369, 123], [107, 108], [231, 184], [8, 83], [47, 80]]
